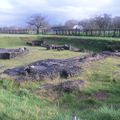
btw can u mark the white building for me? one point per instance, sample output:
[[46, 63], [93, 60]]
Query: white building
[[78, 27]]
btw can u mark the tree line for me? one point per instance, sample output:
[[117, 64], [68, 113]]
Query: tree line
[[104, 21]]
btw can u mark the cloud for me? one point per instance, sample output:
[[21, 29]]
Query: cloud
[[5, 4], [17, 11]]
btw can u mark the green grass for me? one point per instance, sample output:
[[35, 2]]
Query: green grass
[[21, 104], [95, 44], [10, 42], [106, 113], [25, 101]]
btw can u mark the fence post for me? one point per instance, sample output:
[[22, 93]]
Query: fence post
[[119, 32]]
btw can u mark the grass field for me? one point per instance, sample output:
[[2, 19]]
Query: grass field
[[95, 44], [98, 100]]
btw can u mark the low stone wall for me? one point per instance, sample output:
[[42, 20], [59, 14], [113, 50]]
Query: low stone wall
[[36, 43], [43, 43], [12, 53], [63, 47], [52, 69]]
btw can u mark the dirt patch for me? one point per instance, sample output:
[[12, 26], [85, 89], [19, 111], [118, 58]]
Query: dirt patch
[[70, 86], [54, 92], [101, 95], [67, 86]]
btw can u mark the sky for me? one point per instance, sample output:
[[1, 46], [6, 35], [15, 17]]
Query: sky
[[17, 12]]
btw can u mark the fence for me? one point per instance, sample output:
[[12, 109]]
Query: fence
[[89, 32], [74, 32], [23, 31], [14, 31]]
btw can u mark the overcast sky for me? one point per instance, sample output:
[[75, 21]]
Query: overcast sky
[[16, 12]]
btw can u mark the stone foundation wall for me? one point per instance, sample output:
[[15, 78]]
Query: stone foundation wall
[[12, 53]]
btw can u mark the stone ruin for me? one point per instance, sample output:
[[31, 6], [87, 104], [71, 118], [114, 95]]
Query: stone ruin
[[62, 47], [12, 53], [43, 43], [54, 68], [47, 69], [36, 43]]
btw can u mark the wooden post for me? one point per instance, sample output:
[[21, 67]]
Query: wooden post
[[68, 32], [56, 32], [91, 32], [113, 33], [79, 32], [75, 31], [119, 32], [104, 32]]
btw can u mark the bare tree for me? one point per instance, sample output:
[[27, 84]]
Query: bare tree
[[71, 23], [116, 22], [103, 22], [37, 21], [99, 22], [88, 24]]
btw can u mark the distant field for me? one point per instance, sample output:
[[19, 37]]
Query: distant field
[[61, 36], [98, 100]]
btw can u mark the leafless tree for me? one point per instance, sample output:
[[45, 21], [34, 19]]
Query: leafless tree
[[98, 22], [71, 23], [88, 24], [116, 22], [38, 21], [103, 22]]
